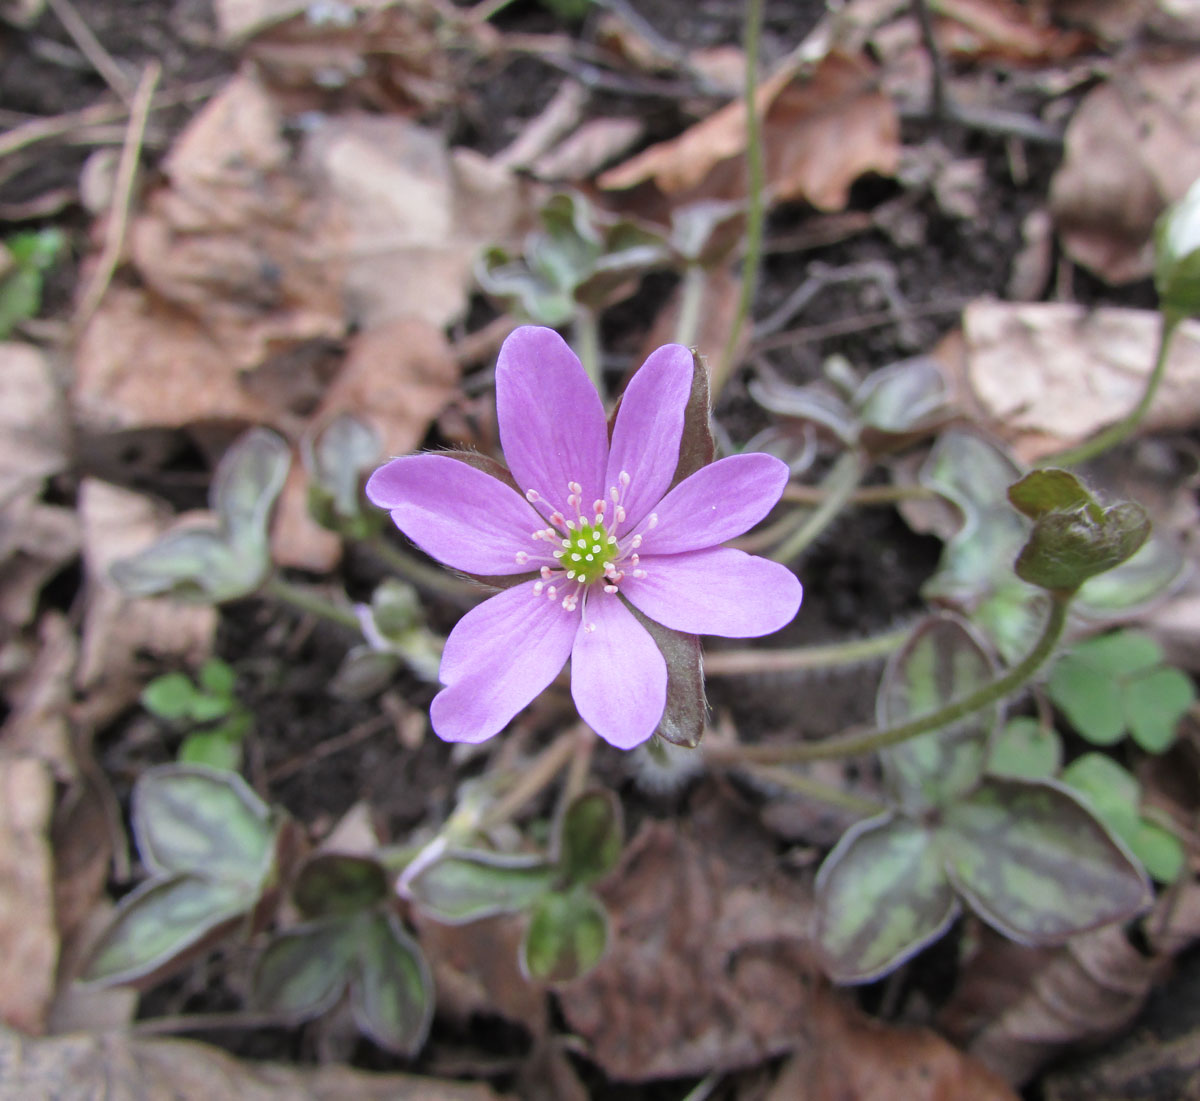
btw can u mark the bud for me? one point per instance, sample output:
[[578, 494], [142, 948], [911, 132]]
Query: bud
[[1177, 256]]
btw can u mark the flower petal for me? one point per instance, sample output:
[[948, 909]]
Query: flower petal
[[720, 501], [720, 591], [499, 656], [552, 424], [618, 675], [645, 439], [459, 515]]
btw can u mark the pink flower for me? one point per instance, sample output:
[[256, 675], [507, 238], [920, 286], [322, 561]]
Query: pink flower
[[595, 524]]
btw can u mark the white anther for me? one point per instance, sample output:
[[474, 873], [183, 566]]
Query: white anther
[[639, 573], [599, 505], [557, 518], [620, 514], [552, 592], [590, 557], [652, 520], [574, 487], [614, 495], [574, 558], [610, 588], [624, 478], [570, 575], [522, 558], [571, 525], [636, 542], [532, 496], [612, 540], [538, 586], [559, 554], [546, 571]]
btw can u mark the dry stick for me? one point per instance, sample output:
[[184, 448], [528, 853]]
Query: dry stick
[[861, 323], [368, 728], [118, 216], [91, 48]]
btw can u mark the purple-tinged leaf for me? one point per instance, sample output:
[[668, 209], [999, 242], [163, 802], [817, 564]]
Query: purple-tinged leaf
[[247, 481], [304, 970], [941, 662], [882, 895], [1051, 490], [1034, 862], [391, 995], [469, 885], [329, 884], [684, 715], [1067, 547]]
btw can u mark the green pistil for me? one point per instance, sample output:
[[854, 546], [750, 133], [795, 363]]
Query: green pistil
[[586, 551]]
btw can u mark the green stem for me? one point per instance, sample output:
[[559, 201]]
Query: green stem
[[851, 745], [310, 602], [424, 576], [587, 345], [691, 301], [728, 663], [839, 487], [1116, 433], [755, 175], [814, 789]]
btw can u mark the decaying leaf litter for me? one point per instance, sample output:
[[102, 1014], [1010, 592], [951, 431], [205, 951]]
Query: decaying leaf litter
[[285, 223]]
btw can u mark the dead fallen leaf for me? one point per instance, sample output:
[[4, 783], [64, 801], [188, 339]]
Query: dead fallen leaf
[[37, 725], [118, 1067], [28, 941], [1004, 30], [854, 1058], [708, 966], [1122, 21], [416, 216], [821, 131], [36, 541], [1131, 150], [1048, 375], [588, 149], [116, 523], [33, 420]]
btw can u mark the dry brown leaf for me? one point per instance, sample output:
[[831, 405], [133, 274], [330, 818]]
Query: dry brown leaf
[[36, 542], [588, 149], [416, 217], [116, 523], [854, 1058], [1003, 29], [118, 1067], [1131, 149], [821, 131], [1047, 375], [28, 941], [1122, 21], [37, 725], [708, 966], [297, 540], [33, 421]]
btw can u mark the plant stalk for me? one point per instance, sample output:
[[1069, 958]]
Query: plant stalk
[[1116, 433], [851, 745], [731, 663], [587, 345], [310, 602], [839, 487]]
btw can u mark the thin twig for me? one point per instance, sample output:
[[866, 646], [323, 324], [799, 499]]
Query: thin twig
[[91, 48], [937, 76], [814, 789], [118, 216], [857, 324], [360, 732]]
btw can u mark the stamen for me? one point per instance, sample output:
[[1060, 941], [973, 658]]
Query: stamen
[[624, 478], [546, 571], [532, 496], [570, 575], [538, 586], [559, 554], [522, 558], [575, 558], [636, 542], [589, 628], [651, 520], [557, 518], [639, 573], [575, 487], [610, 588]]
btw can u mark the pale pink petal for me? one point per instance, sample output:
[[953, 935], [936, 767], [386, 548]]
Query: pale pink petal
[[459, 515], [719, 502], [645, 439], [499, 656], [552, 424], [618, 674], [720, 591]]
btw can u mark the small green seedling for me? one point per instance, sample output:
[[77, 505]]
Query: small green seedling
[[1115, 795], [209, 703], [1118, 684], [29, 256]]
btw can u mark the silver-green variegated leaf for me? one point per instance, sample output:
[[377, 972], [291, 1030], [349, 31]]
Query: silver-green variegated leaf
[[160, 921], [1032, 860], [1135, 585], [392, 993], [192, 565], [468, 885], [566, 937], [246, 483], [590, 836], [336, 460], [941, 662], [188, 818], [882, 895], [304, 970], [902, 399]]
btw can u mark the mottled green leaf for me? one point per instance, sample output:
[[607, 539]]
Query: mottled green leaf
[[566, 937], [590, 837], [329, 884], [304, 970], [247, 481], [1159, 850], [900, 400], [1065, 548], [392, 993], [1033, 861], [468, 885], [1154, 704], [881, 896], [192, 565], [159, 921], [337, 459], [1051, 490], [941, 662], [192, 819], [1026, 750]]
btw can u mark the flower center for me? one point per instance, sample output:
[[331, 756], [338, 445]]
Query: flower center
[[586, 551]]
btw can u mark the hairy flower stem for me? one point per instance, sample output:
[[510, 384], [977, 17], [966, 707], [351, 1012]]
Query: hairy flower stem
[[691, 302], [730, 663], [839, 486], [430, 578], [814, 789], [310, 602], [1116, 433], [754, 195], [851, 745], [586, 345]]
